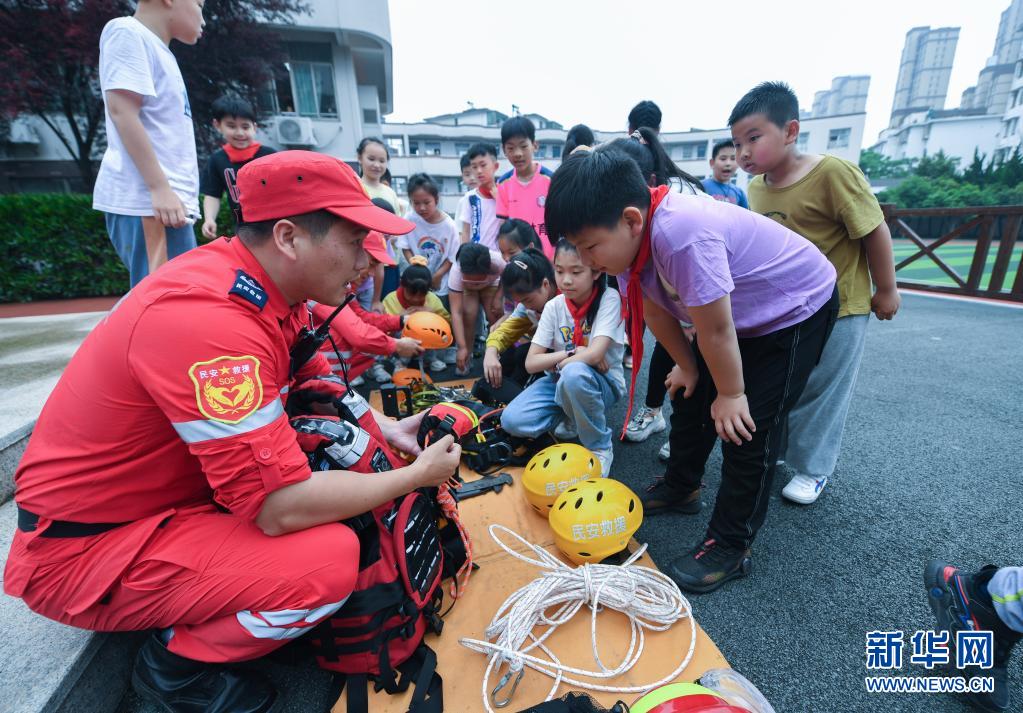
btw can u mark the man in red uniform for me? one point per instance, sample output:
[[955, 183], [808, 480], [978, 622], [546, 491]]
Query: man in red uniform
[[163, 487]]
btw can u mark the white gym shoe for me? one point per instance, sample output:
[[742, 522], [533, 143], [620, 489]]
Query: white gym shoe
[[644, 424], [357, 381], [665, 452], [437, 365], [379, 374], [565, 430], [606, 457], [804, 489], [466, 371]]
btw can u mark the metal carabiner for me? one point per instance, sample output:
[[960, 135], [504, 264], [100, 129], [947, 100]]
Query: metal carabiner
[[504, 682]]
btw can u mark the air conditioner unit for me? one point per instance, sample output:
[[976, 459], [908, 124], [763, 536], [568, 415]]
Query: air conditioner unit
[[295, 131]]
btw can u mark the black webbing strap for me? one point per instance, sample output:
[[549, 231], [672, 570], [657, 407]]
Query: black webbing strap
[[420, 670], [428, 696], [28, 521]]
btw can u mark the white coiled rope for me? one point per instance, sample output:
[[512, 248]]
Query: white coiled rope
[[650, 599]]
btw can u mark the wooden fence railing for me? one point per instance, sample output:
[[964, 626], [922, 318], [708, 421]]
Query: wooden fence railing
[[977, 226]]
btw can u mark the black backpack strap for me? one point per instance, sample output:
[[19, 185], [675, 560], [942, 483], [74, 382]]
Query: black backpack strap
[[358, 696], [428, 696]]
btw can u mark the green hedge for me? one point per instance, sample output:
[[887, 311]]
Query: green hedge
[[57, 247]]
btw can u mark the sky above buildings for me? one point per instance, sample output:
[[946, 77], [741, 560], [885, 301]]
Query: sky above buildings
[[590, 61]]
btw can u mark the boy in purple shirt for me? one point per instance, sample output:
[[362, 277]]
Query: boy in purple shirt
[[763, 301]]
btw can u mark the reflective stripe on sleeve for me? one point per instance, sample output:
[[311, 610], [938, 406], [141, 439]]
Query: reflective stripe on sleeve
[[202, 430]]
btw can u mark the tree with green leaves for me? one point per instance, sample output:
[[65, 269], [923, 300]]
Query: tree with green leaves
[[50, 59], [877, 165]]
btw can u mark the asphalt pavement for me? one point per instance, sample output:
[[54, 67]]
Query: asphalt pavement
[[931, 466]]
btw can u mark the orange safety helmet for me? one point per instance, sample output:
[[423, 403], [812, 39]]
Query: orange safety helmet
[[404, 377], [432, 330]]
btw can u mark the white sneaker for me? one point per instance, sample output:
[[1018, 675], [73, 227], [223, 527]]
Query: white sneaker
[[466, 371], [804, 489], [644, 424], [665, 452], [379, 374], [357, 381], [565, 430], [606, 457], [437, 365]]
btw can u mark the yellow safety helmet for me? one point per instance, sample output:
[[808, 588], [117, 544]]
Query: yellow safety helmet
[[554, 470], [594, 519]]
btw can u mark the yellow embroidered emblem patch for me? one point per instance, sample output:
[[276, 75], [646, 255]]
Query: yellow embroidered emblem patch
[[228, 388]]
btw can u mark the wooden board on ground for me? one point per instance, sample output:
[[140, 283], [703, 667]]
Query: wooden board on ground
[[500, 574]]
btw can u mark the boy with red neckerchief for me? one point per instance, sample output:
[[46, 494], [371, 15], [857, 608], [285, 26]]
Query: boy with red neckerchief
[[235, 119], [479, 216], [763, 301]]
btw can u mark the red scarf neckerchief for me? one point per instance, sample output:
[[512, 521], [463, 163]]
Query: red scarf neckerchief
[[578, 315], [241, 155], [632, 308], [400, 294], [485, 192]]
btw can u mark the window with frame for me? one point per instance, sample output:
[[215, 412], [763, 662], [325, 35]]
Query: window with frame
[[431, 148], [690, 151], [555, 150], [541, 151], [395, 145], [312, 91], [413, 148], [462, 148], [803, 140], [399, 184], [838, 138]]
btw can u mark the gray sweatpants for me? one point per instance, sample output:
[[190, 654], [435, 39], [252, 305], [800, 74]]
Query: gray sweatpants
[[1006, 590], [814, 433]]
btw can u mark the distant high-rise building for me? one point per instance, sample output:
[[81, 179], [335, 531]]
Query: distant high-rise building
[[848, 95], [924, 71], [995, 81]]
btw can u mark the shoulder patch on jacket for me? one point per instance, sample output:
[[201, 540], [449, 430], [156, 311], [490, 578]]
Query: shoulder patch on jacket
[[248, 288]]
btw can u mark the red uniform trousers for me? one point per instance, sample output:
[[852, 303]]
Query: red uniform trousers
[[230, 592]]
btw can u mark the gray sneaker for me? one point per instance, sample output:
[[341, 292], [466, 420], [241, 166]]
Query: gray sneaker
[[665, 452], [644, 424]]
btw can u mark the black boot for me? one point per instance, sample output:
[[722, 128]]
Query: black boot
[[180, 685], [961, 602]]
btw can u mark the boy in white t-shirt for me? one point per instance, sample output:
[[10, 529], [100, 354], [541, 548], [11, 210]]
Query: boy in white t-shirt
[[469, 181], [148, 181], [479, 216]]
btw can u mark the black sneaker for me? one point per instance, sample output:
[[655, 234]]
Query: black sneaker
[[960, 602], [179, 685], [709, 565], [660, 497]]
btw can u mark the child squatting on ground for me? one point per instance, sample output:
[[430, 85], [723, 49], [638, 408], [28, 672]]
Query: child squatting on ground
[[763, 301], [579, 342]]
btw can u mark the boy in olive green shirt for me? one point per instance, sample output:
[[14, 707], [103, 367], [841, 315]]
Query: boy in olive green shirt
[[828, 201]]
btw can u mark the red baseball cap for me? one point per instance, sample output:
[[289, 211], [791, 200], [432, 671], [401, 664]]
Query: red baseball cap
[[374, 244], [295, 182]]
